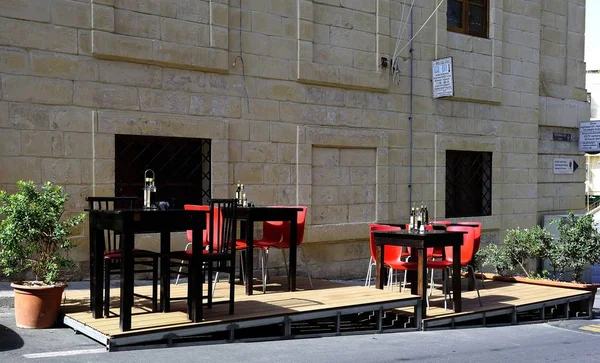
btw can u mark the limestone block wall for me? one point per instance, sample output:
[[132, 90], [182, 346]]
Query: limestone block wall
[[297, 104], [563, 104]]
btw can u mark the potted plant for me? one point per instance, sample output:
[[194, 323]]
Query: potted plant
[[34, 238]]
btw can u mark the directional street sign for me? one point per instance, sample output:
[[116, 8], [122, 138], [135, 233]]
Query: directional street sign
[[564, 166]]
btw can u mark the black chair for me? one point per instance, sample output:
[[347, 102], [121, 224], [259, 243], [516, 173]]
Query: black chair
[[219, 254], [112, 252]]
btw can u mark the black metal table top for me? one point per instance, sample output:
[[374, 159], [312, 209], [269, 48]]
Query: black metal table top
[[418, 239]]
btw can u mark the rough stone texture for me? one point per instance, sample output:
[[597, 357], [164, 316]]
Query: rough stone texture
[[307, 116]]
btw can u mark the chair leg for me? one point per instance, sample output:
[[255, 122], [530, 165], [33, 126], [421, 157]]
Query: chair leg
[[154, 284], [476, 289], [307, 266], [404, 282], [214, 285], [445, 287], [431, 284], [242, 272], [390, 278], [368, 278], [178, 273], [232, 287], [106, 288], [426, 294], [209, 284], [263, 276], [287, 271], [180, 267]]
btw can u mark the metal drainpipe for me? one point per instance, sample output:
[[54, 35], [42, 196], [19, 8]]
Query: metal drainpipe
[[410, 117]]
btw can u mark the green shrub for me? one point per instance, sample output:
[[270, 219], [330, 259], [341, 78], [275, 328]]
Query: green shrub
[[577, 246], [519, 246], [32, 232]]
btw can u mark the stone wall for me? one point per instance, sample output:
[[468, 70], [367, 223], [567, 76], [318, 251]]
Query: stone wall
[[299, 108]]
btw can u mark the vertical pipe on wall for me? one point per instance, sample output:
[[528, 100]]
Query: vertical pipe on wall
[[410, 115]]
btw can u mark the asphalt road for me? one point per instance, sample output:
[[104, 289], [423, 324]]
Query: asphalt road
[[556, 342]]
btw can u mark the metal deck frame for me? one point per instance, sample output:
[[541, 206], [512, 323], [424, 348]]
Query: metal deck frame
[[444, 323]]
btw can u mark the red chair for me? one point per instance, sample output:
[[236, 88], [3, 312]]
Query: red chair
[[477, 237], [444, 223], [393, 256], [219, 254], [466, 254], [240, 246], [277, 235]]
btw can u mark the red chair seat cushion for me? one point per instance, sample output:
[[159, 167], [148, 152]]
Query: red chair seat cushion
[[400, 265], [116, 254], [270, 244], [239, 245]]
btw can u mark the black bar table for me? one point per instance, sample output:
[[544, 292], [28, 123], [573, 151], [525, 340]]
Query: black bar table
[[135, 221], [249, 215], [419, 243]]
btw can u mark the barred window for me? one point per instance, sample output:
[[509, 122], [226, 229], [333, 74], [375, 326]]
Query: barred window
[[181, 166], [468, 183], [468, 17]]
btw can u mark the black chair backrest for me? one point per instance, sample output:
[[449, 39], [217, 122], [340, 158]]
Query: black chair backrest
[[221, 239], [112, 240]]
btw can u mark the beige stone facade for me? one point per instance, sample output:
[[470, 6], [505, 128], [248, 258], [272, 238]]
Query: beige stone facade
[[307, 115]]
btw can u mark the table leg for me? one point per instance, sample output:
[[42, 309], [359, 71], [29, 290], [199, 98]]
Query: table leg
[[250, 257], [380, 268], [456, 283], [92, 234], [97, 273], [412, 276], [165, 273], [195, 274], [422, 279], [293, 252], [126, 278]]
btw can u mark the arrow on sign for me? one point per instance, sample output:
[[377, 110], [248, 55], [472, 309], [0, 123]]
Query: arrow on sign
[[564, 166]]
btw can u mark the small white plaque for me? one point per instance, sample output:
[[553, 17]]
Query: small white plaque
[[564, 166], [443, 77]]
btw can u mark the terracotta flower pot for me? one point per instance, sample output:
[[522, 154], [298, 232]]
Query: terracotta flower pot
[[37, 306]]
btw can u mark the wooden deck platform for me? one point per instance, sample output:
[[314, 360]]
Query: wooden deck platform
[[275, 310], [327, 309]]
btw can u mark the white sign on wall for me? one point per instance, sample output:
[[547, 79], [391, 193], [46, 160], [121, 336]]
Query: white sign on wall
[[589, 136], [564, 166], [443, 77]]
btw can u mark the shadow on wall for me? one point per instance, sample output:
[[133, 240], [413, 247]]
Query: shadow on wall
[[10, 339]]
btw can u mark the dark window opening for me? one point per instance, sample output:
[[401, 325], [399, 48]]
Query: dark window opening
[[181, 165], [468, 184], [468, 17]]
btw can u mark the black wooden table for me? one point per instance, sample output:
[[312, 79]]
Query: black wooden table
[[419, 243], [249, 215], [133, 221]]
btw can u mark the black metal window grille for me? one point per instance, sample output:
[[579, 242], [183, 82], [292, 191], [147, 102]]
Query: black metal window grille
[[468, 183], [181, 165]]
